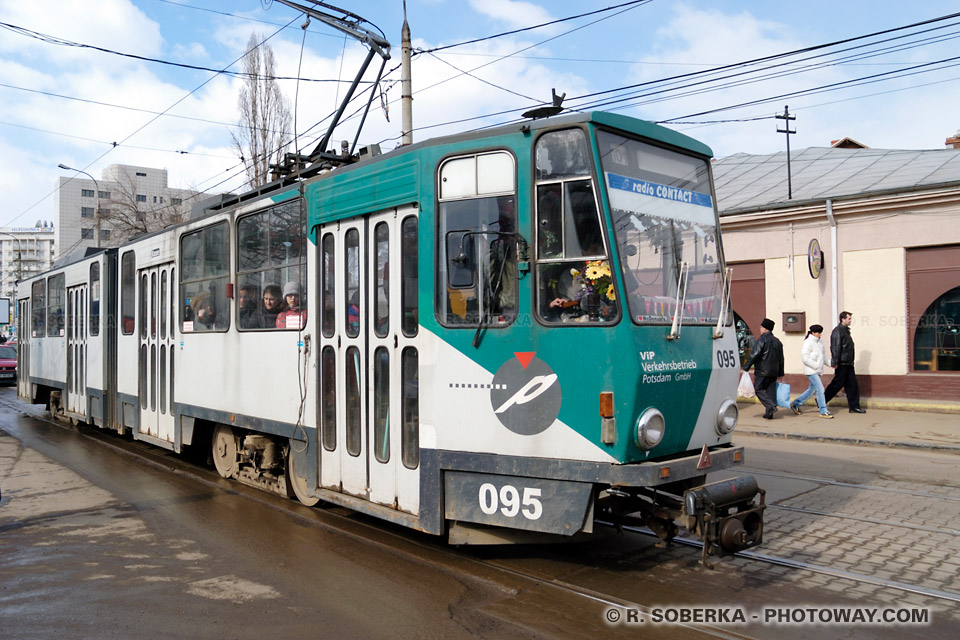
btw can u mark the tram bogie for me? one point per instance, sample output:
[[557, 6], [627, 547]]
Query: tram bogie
[[494, 336]]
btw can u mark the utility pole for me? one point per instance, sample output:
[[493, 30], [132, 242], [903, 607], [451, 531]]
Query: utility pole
[[406, 92], [786, 117]]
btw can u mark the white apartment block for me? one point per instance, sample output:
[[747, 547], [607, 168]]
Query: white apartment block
[[24, 252], [120, 187]]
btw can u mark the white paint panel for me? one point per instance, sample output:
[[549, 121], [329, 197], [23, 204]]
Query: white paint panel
[[464, 420]]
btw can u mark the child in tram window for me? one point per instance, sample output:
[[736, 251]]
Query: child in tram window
[[293, 317]]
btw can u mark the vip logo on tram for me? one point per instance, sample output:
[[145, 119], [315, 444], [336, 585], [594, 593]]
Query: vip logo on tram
[[526, 395]]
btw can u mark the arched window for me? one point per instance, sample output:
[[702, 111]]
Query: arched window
[[936, 343]]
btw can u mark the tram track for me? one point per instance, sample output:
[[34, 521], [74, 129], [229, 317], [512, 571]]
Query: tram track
[[379, 533], [807, 566], [375, 532], [853, 485]]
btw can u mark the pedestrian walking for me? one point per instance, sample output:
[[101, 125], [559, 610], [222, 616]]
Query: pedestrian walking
[[841, 359], [813, 355], [767, 356]]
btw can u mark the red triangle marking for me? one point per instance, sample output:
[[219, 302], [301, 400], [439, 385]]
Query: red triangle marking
[[705, 460], [525, 357]]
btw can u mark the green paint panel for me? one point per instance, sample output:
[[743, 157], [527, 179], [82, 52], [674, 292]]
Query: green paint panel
[[364, 189]]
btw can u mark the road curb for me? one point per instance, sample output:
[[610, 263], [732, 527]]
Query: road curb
[[890, 444], [891, 404]]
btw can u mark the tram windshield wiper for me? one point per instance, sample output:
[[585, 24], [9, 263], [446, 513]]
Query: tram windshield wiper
[[683, 279]]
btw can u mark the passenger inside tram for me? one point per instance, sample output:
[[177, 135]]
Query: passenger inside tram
[[292, 317], [247, 303], [272, 303]]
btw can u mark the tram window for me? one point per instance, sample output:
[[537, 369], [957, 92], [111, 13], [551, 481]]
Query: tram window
[[143, 306], [562, 154], [163, 378], [410, 408], [153, 383], [352, 404], [204, 269], [408, 273], [38, 314], [575, 283], [664, 221], [56, 298], [153, 305], [271, 264], [328, 392], [143, 376], [381, 404], [95, 299], [163, 305], [351, 283], [328, 287], [381, 319], [127, 293], [477, 245]]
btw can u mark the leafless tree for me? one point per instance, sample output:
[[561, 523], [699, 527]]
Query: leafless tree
[[264, 114], [126, 216]]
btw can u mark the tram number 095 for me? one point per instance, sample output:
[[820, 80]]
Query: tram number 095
[[512, 503], [727, 358]]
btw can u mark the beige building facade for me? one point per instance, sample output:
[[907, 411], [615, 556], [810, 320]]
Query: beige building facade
[[887, 226]]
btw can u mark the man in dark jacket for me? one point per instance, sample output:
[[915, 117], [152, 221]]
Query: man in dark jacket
[[767, 355], [841, 359]]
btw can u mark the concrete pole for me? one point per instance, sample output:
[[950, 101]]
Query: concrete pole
[[406, 92]]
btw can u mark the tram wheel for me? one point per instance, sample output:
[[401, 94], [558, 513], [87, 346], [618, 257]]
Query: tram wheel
[[225, 451], [296, 483]]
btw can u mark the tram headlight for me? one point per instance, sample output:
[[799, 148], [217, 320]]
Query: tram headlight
[[650, 428], [727, 416]]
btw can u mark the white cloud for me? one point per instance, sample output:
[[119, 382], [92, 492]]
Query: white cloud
[[515, 13]]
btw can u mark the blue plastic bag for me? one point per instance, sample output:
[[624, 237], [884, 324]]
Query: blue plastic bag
[[783, 395]]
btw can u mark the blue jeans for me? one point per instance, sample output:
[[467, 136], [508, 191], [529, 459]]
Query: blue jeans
[[816, 386]]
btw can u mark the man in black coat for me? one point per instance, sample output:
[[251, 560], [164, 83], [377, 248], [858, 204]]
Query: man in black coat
[[841, 359], [767, 355]]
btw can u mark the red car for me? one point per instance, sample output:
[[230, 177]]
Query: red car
[[8, 363]]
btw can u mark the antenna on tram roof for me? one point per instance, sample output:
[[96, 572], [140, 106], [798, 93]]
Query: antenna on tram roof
[[550, 110]]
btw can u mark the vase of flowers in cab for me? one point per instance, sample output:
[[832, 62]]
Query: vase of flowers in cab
[[596, 286]]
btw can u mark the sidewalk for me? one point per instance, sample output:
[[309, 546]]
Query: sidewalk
[[884, 427]]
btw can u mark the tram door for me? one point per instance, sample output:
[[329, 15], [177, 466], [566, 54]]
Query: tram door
[[156, 352], [343, 354], [388, 371], [75, 394], [368, 359], [23, 350]]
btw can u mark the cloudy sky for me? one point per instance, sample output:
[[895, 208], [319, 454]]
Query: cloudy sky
[[97, 83]]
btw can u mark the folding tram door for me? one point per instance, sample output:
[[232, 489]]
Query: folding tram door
[[23, 351], [75, 393], [156, 292], [362, 354]]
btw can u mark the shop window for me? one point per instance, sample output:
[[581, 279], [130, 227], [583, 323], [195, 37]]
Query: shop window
[[936, 342]]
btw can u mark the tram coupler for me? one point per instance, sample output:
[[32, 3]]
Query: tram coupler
[[725, 516]]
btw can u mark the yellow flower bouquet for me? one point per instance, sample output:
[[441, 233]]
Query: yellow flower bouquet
[[595, 278]]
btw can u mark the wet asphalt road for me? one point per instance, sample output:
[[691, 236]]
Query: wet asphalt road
[[98, 542]]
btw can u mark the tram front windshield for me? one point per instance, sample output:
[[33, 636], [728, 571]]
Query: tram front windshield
[[663, 219]]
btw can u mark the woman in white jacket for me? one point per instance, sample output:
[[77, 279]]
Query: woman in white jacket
[[813, 355]]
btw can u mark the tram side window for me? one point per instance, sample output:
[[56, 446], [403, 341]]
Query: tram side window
[[95, 299], [574, 280], [56, 299], [38, 295], [477, 241], [408, 272], [127, 292], [204, 273], [271, 268]]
